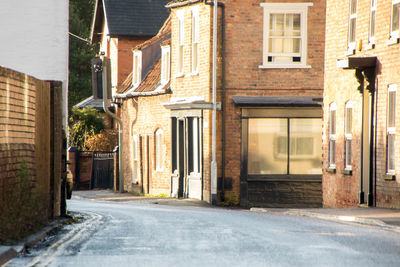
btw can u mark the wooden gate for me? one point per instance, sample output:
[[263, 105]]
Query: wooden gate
[[102, 170]]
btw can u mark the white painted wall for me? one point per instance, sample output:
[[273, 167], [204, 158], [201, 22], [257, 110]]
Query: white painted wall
[[34, 39]]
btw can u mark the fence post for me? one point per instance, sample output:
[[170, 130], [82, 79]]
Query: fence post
[[116, 168]]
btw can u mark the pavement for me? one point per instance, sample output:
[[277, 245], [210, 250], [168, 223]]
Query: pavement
[[379, 217]]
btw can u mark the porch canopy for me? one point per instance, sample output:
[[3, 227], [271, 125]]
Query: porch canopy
[[278, 101]]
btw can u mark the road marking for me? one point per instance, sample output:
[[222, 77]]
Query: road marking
[[51, 252]]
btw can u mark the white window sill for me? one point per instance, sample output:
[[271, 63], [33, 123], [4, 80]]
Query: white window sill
[[393, 41], [159, 170], [350, 52], [180, 75], [370, 46], [282, 66], [194, 74]]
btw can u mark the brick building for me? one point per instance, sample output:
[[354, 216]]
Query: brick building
[[361, 158], [269, 89], [146, 132]]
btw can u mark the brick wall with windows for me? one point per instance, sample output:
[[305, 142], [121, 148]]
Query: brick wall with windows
[[342, 189], [244, 74], [143, 116]]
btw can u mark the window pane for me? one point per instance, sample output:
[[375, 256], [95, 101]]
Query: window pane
[[332, 151], [305, 146], [391, 108], [276, 45], [292, 27], [395, 17], [276, 23], [352, 30], [353, 6], [372, 25], [348, 153], [391, 152], [332, 126], [267, 146], [349, 119]]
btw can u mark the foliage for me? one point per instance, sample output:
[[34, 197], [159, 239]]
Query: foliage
[[83, 124], [106, 140], [21, 211], [80, 52]]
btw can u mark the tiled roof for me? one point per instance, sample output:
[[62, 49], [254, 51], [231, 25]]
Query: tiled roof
[[165, 30], [130, 17]]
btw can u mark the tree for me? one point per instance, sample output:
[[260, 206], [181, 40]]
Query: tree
[[80, 52]]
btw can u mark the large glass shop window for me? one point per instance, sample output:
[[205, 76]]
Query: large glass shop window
[[284, 146]]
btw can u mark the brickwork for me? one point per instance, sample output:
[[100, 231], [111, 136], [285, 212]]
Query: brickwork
[[31, 116], [142, 117], [244, 50], [341, 85]]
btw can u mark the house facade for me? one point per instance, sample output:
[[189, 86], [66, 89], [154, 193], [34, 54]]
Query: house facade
[[269, 87], [361, 155], [146, 131], [120, 25]]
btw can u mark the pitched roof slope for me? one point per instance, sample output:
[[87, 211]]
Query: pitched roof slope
[[130, 17]]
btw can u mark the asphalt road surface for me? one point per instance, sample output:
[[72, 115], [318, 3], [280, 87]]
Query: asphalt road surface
[[144, 234]]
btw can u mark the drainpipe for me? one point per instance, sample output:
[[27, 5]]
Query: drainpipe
[[214, 169], [106, 69], [223, 101]]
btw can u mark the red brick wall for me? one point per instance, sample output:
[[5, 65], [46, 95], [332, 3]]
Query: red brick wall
[[341, 85], [244, 49]]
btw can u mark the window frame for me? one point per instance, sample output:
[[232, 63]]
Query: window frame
[[332, 135], [180, 43], [158, 150], [165, 64], [286, 8], [195, 41], [351, 45], [394, 35], [372, 14], [134, 159], [348, 135], [137, 68], [391, 129]]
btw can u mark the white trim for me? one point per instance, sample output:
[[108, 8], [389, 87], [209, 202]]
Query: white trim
[[352, 45], [394, 35], [165, 64], [284, 8], [195, 40], [391, 130], [332, 136], [180, 44], [371, 40], [136, 72], [158, 150], [348, 135], [134, 159]]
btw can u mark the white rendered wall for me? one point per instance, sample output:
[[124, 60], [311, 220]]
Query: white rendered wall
[[34, 39]]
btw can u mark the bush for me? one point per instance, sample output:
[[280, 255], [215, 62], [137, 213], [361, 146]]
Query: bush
[[106, 140], [22, 209], [83, 124]]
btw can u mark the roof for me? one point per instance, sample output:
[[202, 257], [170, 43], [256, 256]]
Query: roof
[[150, 84], [91, 102], [129, 17], [179, 3], [280, 101]]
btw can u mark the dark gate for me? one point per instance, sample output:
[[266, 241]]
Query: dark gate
[[103, 170]]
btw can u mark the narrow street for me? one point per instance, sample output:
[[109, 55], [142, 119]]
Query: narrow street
[[142, 233]]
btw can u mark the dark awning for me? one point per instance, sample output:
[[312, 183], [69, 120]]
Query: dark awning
[[281, 101], [356, 62]]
